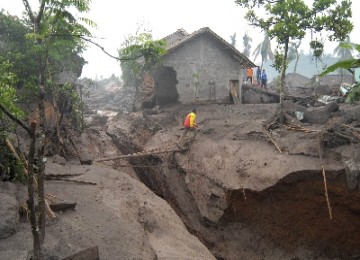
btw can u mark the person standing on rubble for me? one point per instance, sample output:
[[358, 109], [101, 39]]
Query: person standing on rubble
[[189, 125], [249, 75], [263, 79]]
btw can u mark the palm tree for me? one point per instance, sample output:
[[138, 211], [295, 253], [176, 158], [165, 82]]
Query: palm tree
[[343, 54], [233, 39], [264, 48], [247, 45]]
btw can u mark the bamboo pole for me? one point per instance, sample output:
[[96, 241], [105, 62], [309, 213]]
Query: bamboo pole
[[48, 211], [139, 154], [324, 175], [15, 154]]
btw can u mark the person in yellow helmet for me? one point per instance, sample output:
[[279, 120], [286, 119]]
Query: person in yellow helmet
[[189, 125]]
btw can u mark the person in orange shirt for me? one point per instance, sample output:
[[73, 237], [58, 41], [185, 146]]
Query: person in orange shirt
[[249, 75], [189, 125]]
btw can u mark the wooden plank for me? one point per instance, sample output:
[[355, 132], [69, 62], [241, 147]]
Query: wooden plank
[[234, 94]]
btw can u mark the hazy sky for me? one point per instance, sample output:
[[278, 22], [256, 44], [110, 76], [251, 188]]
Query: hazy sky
[[117, 19]]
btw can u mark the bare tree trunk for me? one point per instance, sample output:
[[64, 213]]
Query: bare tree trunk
[[282, 82], [41, 160], [297, 58], [37, 245]]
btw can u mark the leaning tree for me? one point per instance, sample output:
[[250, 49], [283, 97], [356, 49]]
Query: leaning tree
[[53, 31], [290, 20]]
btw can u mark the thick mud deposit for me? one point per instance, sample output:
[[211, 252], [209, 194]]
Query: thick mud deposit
[[295, 214], [272, 211]]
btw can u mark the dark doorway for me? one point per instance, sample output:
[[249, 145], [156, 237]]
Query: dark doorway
[[165, 86]]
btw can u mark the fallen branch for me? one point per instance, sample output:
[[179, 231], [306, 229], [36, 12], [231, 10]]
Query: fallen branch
[[53, 196], [140, 154], [320, 139], [272, 140], [75, 181], [349, 138], [295, 127], [354, 131]]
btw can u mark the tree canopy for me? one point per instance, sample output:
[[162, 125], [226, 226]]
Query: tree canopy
[[139, 54], [290, 20]]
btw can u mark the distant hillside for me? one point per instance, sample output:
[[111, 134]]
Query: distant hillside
[[307, 66]]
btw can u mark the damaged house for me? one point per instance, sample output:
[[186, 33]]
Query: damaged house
[[198, 67]]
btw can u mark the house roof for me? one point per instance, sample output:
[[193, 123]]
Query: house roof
[[180, 37]]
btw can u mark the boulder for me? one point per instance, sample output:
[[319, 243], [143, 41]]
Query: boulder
[[9, 210]]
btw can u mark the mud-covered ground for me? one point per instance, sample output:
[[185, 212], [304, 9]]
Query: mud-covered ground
[[234, 183], [239, 193]]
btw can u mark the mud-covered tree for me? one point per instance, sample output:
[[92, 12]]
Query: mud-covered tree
[[290, 20]]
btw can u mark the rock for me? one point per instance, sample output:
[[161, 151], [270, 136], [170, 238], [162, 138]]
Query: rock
[[86, 160], [8, 188], [59, 160], [332, 107], [9, 216], [14, 254]]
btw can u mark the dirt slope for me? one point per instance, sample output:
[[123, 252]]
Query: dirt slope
[[119, 214], [233, 176]]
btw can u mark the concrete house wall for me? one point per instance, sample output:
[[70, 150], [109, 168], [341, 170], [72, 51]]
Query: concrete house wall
[[214, 63]]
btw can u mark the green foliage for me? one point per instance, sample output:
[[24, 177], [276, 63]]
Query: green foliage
[[277, 62], [69, 92], [344, 64], [344, 50], [289, 20], [354, 94], [11, 167], [8, 97], [139, 55], [20, 175], [317, 48], [17, 49]]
